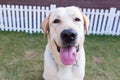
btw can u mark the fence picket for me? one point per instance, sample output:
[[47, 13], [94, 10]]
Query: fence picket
[[1, 19], [88, 14], [110, 20], [43, 13], [5, 18], [104, 22], [92, 19], [38, 20], [26, 19], [95, 21], [17, 18], [116, 21], [34, 19], [118, 30], [100, 21], [9, 18], [29, 18], [21, 18], [13, 18]]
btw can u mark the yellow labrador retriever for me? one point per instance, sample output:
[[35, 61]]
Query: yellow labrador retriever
[[64, 55]]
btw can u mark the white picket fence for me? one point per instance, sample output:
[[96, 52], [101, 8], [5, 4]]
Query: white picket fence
[[23, 18], [104, 21], [28, 19]]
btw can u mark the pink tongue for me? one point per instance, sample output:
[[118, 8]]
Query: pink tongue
[[68, 55]]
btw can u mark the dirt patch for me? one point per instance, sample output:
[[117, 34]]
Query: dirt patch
[[30, 54], [97, 59]]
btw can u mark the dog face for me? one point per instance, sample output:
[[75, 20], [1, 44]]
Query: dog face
[[65, 28]]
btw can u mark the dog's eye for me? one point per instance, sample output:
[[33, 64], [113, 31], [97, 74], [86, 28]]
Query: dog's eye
[[77, 19], [56, 21]]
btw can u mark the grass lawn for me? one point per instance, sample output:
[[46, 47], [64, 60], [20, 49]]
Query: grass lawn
[[21, 57]]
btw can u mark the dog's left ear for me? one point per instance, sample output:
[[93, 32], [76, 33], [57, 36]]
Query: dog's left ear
[[86, 23], [45, 26]]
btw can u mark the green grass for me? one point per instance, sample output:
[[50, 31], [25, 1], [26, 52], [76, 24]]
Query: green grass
[[103, 58], [21, 56]]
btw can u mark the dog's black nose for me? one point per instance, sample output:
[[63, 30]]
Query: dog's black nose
[[69, 35]]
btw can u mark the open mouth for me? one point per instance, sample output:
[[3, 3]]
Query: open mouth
[[67, 53]]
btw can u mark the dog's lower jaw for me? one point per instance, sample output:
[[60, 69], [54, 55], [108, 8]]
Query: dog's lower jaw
[[54, 53]]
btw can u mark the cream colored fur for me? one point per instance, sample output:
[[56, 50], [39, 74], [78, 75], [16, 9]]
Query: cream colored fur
[[54, 69]]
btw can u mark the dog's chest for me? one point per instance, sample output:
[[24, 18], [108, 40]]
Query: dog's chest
[[68, 73]]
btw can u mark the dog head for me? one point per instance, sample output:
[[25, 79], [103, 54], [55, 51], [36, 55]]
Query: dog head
[[65, 28]]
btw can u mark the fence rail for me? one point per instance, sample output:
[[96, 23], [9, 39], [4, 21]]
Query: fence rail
[[28, 19]]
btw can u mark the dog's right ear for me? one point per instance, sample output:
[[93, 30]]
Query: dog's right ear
[[86, 23], [45, 26]]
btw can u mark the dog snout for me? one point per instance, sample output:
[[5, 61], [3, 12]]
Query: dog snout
[[69, 35]]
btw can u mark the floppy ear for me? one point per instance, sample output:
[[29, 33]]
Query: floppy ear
[[45, 26], [86, 23]]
